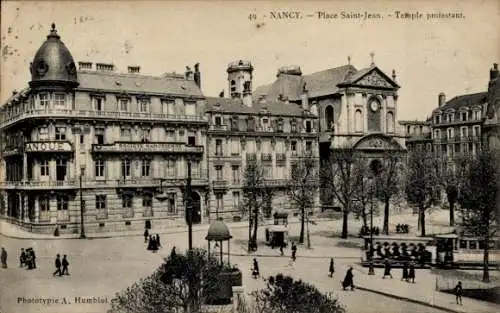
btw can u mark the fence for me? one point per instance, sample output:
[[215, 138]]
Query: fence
[[469, 281]]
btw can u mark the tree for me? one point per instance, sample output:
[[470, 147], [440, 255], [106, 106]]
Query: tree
[[389, 179], [422, 183], [283, 294], [338, 175], [256, 194], [361, 198], [303, 188], [477, 198], [182, 283]]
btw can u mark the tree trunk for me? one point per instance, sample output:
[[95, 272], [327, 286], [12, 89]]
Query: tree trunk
[[422, 221], [486, 270], [344, 225], [302, 224], [255, 226], [250, 231], [452, 213], [385, 228], [364, 215]]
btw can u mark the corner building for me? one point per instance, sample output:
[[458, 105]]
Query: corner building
[[119, 139], [275, 133]]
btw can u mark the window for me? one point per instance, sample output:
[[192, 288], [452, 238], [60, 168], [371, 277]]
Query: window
[[146, 168], [472, 245], [267, 171], [308, 147], [308, 127], [98, 104], [125, 134], [293, 126], [236, 199], [190, 108], [44, 203], [144, 105], [62, 203], [477, 115], [233, 86], [99, 166], [99, 136], [168, 107], [436, 134], [463, 132], [476, 131], [358, 121], [171, 168], [125, 168], [44, 168], [43, 133], [438, 119], [218, 172], [235, 146], [59, 100], [236, 174], [251, 124], [293, 147], [60, 133], [280, 125], [82, 139], [218, 147], [124, 104], [100, 202], [170, 135], [147, 201], [171, 203], [464, 116], [219, 202], [191, 140], [145, 135], [127, 201], [265, 124], [218, 121], [390, 123], [44, 100], [450, 133]]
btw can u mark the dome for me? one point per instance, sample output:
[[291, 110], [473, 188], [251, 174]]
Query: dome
[[218, 231], [53, 63]]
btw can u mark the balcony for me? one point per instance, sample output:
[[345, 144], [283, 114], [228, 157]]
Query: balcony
[[196, 180], [104, 115], [276, 182], [147, 212], [267, 157], [251, 157], [57, 185], [220, 184], [280, 157], [219, 128], [147, 147]]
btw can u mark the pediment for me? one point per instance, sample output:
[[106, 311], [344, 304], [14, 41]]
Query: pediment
[[375, 78], [377, 143]]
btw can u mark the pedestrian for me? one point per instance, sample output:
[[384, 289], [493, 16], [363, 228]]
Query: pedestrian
[[29, 259], [348, 279], [22, 258], [411, 272], [331, 270], [146, 235], [4, 258], [458, 292], [158, 240], [65, 265], [281, 249], [33, 257], [58, 266], [294, 251], [172, 253], [387, 268], [255, 270], [405, 272]]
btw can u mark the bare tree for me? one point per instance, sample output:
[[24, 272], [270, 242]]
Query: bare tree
[[389, 179], [303, 187], [338, 175], [422, 183], [478, 200], [361, 198]]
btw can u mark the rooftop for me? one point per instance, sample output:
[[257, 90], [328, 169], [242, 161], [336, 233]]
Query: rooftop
[[464, 101], [236, 106]]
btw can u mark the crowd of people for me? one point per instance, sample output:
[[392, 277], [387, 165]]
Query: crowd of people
[[401, 252], [153, 241], [27, 258]]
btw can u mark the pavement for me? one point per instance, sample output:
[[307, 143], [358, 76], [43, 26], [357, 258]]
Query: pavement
[[311, 264]]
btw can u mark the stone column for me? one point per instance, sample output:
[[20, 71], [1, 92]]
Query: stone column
[[25, 167], [383, 122], [37, 209]]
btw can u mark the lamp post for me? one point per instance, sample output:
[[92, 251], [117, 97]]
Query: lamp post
[[82, 227], [371, 270]]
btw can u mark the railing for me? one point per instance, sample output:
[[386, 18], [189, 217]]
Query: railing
[[276, 182], [219, 184], [458, 121], [41, 113], [147, 147], [148, 212], [280, 157], [44, 216], [267, 157], [251, 157], [219, 128], [63, 215], [39, 184], [128, 212]]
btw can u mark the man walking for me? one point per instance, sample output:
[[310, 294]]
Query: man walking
[[4, 258], [33, 257], [65, 265], [387, 269], [331, 270], [146, 235], [58, 266], [294, 252], [458, 292], [22, 258]]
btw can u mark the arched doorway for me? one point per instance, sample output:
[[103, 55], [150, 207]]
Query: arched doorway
[[196, 211], [376, 167], [329, 118]]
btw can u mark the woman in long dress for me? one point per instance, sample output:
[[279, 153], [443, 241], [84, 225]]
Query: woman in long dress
[[348, 279]]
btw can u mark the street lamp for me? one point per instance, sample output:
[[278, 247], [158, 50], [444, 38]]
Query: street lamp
[[82, 227], [371, 191]]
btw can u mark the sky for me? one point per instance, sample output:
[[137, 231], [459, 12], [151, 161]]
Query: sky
[[430, 56]]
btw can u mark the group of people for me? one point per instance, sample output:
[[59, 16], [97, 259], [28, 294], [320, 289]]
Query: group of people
[[365, 231], [153, 241], [408, 273], [402, 252], [27, 258], [61, 265], [402, 228]]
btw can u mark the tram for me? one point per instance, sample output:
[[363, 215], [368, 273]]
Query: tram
[[277, 233], [463, 251]]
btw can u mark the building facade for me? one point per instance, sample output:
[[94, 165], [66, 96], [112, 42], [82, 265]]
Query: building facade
[[242, 129], [418, 135], [119, 140], [491, 133]]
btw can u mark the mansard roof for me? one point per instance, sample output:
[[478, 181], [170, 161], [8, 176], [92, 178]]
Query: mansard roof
[[236, 106], [464, 101]]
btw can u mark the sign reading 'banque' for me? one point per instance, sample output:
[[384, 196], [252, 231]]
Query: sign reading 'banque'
[[48, 146]]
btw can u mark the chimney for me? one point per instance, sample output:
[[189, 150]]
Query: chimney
[[104, 67], [442, 99], [197, 75], [85, 66], [189, 73], [134, 69], [394, 75], [304, 97], [494, 71]]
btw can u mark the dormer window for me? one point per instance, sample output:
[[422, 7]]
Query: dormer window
[[44, 100], [265, 124], [308, 126], [59, 100], [293, 126], [144, 105], [190, 108], [438, 119], [146, 135], [98, 104], [280, 125], [218, 121], [477, 115], [464, 116], [124, 104]]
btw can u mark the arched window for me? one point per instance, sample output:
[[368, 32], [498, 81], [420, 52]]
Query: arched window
[[329, 115], [358, 121], [233, 86], [390, 122]]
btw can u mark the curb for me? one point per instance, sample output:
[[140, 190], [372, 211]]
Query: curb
[[408, 300]]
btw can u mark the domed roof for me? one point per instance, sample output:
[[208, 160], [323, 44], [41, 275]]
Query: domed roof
[[218, 231], [53, 63]]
